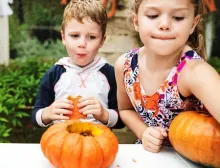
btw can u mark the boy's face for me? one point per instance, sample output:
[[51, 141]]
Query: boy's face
[[82, 40]]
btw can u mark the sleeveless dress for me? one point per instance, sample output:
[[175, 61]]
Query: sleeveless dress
[[160, 108]]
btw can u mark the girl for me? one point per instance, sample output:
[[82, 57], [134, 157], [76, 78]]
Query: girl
[[168, 74]]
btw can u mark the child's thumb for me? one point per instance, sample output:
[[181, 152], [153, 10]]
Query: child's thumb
[[163, 131]]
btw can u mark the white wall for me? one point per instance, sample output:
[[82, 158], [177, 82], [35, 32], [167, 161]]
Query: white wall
[[4, 40]]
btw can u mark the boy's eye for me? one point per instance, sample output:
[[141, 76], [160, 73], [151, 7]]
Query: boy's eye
[[152, 16], [178, 18], [92, 37]]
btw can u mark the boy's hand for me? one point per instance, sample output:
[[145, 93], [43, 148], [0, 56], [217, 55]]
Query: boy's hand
[[58, 110], [152, 138], [91, 105]]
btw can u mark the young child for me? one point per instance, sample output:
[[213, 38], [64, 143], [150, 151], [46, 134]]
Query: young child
[[82, 73], [168, 75]]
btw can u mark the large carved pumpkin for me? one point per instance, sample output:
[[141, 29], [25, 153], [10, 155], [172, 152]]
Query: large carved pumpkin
[[76, 144], [196, 135]]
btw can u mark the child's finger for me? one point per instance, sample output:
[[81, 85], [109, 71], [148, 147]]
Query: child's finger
[[162, 130], [87, 108], [152, 147], [84, 99], [65, 112], [64, 105], [154, 132], [67, 101], [88, 102], [164, 134], [155, 141], [62, 112], [61, 117]]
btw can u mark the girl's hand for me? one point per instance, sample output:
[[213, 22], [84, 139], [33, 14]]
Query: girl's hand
[[58, 110], [152, 138], [91, 105]]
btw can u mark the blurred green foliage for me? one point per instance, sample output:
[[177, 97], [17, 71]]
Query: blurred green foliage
[[18, 88], [215, 63]]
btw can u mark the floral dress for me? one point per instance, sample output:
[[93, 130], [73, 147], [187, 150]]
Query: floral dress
[[167, 102]]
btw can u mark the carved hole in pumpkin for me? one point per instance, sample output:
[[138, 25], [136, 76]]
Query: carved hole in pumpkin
[[84, 129], [86, 133]]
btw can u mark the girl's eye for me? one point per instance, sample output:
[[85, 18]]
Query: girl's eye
[[92, 37], [178, 18], [152, 16]]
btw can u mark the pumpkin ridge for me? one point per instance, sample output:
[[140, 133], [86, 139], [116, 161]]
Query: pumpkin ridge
[[55, 160], [77, 141], [51, 131], [108, 154], [61, 151], [95, 150]]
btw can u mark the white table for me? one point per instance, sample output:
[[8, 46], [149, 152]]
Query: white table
[[129, 156]]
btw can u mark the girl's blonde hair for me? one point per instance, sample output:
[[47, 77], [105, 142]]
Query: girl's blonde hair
[[196, 39], [79, 9]]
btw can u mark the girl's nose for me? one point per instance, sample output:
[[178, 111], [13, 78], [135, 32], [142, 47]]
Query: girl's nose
[[164, 23], [82, 42]]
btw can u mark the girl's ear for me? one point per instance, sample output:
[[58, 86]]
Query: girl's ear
[[195, 23], [135, 21], [63, 37]]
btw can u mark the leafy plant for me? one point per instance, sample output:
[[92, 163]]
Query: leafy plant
[[18, 87], [29, 46], [215, 62]]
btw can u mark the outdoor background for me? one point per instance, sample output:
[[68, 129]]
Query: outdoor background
[[35, 45]]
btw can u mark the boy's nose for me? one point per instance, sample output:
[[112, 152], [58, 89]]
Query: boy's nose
[[82, 42], [165, 23]]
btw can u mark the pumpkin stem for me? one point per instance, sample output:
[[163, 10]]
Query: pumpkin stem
[[204, 113]]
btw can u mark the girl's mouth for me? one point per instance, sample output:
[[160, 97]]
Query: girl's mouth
[[163, 38]]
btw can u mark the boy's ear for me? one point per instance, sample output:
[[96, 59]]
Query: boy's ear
[[195, 23], [63, 37], [102, 42], [135, 21]]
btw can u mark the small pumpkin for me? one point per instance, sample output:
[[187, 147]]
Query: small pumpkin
[[196, 136], [76, 144], [75, 112]]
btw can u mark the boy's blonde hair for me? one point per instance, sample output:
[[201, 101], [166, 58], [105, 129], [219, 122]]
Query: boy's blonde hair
[[196, 39], [79, 9]]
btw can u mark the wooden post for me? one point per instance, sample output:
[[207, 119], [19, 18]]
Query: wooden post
[[4, 40]]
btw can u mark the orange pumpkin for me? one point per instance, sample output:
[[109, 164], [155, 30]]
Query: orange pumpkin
[[196, 135], [75, 112], [76, 144]]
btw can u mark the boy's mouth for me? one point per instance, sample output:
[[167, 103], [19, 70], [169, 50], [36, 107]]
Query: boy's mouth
[[81, 55]]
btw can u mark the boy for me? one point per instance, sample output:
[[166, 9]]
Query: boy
[[82, 73]]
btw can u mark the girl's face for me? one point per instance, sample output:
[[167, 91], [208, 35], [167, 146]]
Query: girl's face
[[164, 26], [82, 40]]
